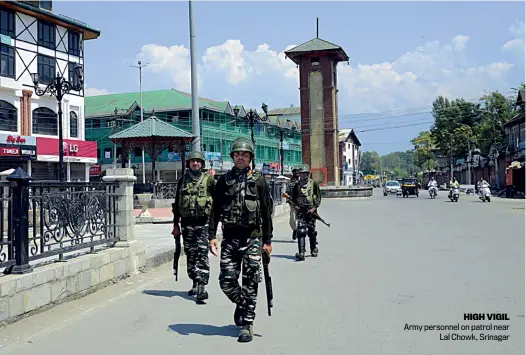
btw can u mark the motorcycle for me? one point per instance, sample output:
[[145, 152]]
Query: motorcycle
[[454, 195], [432, 192], [485, 193]]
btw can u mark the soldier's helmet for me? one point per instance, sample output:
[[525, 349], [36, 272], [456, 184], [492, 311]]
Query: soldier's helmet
[[242, 144], [295, 169], [304, 169], [195, 155]]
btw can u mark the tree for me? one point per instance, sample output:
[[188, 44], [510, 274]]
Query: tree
[[369, 162], [451, 119], [490, 129], [424, 145]]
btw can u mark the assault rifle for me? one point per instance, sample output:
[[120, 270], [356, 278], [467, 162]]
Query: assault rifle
[[177, 255], [177, 252], [304, 209], [268, 281]]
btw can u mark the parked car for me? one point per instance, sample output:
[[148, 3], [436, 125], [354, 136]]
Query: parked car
[[392, 187]]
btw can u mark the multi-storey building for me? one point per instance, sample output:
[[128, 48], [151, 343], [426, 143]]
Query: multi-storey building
[[36, 40], [108, 114], [349, 150]]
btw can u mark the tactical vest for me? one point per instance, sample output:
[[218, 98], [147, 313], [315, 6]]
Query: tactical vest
[[241, 205], [306, 195], [194, 200]]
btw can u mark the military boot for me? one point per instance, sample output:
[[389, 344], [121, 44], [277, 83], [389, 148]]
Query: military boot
[[193, 290], [300, 255], [201, 293], [314, 252], [246, 334], [239, 313]]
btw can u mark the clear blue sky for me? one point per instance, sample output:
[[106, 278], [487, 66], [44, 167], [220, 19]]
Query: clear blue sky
[[370, 32]]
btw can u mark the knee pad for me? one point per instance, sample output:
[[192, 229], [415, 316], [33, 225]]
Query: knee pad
[[301, 232]]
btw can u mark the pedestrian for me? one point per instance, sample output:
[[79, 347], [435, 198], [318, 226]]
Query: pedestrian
[[308, 195], [193, 207], [292, 218], [241, 203]]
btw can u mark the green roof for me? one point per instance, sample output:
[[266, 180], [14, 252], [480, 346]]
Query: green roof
[[152, 127], [158, 100], [285, 111], [313, 45]]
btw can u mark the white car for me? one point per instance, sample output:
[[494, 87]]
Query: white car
[[392, 187]]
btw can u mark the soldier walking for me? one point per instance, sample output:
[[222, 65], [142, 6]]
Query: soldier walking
[[193, 206], [292, 218], [307, 194], [241, 203]]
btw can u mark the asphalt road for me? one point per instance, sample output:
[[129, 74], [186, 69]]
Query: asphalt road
[[385, 262]]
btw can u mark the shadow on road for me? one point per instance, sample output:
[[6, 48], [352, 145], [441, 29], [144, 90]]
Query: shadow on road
[[206, 329], [289, 257], [169, 294]]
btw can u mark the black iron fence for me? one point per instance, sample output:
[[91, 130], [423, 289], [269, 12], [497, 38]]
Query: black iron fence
[[45, 219]]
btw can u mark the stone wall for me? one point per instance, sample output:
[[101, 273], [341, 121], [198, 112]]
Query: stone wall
[[344, 191]]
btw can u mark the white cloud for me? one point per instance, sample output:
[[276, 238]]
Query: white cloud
[[459, 42], [94, 91], [517, 43], [412, 80]]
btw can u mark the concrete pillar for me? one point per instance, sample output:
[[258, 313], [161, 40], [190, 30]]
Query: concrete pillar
[[86, 172], [124, 218]]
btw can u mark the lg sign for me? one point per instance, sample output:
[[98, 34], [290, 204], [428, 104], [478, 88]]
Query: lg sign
[[70, 148]]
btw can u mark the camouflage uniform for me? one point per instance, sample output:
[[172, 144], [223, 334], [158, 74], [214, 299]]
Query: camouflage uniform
[[193, 206], [307, 193], [241, 203], [292, 218]]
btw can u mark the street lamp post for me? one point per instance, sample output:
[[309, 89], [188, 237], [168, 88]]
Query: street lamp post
[[59, 87], [252, 117], [281, 134]]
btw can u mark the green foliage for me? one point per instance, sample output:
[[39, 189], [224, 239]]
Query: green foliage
[[461, 126], [394, 165]]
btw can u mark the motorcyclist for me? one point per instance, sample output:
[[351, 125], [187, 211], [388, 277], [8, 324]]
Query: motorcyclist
[[453, 184], [482, 183], [432, 184]]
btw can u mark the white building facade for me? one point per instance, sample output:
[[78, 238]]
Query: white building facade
[[349, 156], [35, 40]]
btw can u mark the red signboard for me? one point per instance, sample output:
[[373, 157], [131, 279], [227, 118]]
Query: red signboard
[[9, 151], [95, 170], [84, 149]]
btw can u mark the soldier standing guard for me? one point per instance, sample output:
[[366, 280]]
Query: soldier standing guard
[[242, 203], [307, 193], [292, 220], [193, 206]]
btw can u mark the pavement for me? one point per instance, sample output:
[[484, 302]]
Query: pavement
[[384, 263]]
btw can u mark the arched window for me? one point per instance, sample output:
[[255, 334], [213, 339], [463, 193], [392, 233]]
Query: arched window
[[45, 121], [8, 117], [73, 124]]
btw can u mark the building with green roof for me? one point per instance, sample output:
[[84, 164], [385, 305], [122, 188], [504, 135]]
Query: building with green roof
[[109, 114]]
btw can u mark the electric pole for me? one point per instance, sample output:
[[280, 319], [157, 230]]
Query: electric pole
[[142, 111], [196, 129]]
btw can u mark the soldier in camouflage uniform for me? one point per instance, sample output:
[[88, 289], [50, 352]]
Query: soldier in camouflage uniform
[[241, 203], [193, 206], [307, 193], [292, 220]]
